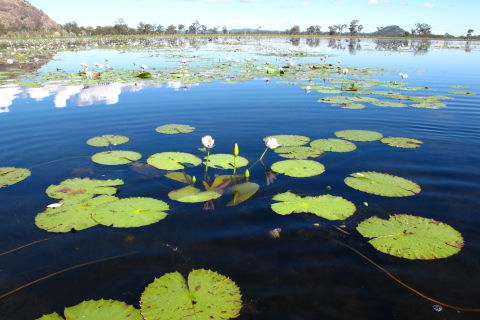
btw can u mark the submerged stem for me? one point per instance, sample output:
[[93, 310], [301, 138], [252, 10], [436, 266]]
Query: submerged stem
[[206, 163], [263, 154], [26, 245]]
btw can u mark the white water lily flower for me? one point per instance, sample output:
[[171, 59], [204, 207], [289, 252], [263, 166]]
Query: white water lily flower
[[143, 67], [344, 71], [183, 61], [10, 61], [84, 65], [308, 89], [272, 143], [99, 66], [403, 75], [208, 142], [55, 205]]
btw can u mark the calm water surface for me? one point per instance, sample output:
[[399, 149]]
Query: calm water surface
[[304, 274]]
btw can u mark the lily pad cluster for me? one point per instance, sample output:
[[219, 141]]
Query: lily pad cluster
[[205, 295]]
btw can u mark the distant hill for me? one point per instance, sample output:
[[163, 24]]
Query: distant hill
[[389, 31], [21, 14]]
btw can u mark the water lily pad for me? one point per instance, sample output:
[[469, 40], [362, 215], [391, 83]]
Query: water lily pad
[[10, 175], [288, 140], [325, 206], [460, 87], [131, 212], [71, 215], [402, 142], [382, 184], [175, 128], [299, 168], [465, 93], [363, 99], [225, 161], [333, 145], [334, 100], [412, 237], [112, 158], [82, 189], [243, 192], [51, 316], [102, 310], [179, 176], [359, 135], [389, 104], [351, 105], [107, 140], [206, 296], [191, 194], [173, 160], [298, 152]]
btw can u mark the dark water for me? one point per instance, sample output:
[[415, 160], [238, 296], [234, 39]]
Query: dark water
[[304, 274]]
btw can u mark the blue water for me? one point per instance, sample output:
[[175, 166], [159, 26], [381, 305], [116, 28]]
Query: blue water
[[304, 274]]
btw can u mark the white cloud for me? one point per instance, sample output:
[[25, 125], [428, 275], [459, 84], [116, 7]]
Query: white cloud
[[429, 5], [304, 4]]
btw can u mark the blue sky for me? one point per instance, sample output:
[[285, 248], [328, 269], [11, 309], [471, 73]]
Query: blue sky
[[453, 16]]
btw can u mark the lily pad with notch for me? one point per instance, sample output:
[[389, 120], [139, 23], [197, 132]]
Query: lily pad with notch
[[131, 212], [382, 184], [243, 192], [175, 129], [190, 194], [359, 135], [298, 152], [102, 310], [400, 142], [11, 175], [412, 237], [113, 158], [173, 160], [80, 189], [107, 140], [333, 145], [298, 168], [206, 295], [289, 140], [325, 206], [225, 161]]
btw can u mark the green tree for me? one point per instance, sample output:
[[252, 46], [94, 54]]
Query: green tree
[[194, 27], [355, 27], [224, 30], [71, 27], [470, 33], [3, 30], [171, 29], [294, 30], [180, 28], [422, 29]]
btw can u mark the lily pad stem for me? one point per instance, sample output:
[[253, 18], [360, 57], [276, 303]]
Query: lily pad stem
[[263, 154], [206, 164]]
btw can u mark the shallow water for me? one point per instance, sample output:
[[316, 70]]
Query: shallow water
[[304, 274]]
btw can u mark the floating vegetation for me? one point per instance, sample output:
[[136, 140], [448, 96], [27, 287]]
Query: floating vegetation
[[325, 206], [112, 158], [190, 194], [107, 140], [412, 237], [286, 140], [243, 192], [225, 161], [180, 177], [52, 316], [173, 160], [465, 93], [175, 129], [402, 142], [11, 175], [298, 152], [364, 99], [382, 184], [389, 104], [459, 87], [78, 189], [206, 295], [131, 212], [359, 135], [299, 168], [333, 145], [71, 215]]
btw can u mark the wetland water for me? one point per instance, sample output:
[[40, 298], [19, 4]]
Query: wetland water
[[233, 90]]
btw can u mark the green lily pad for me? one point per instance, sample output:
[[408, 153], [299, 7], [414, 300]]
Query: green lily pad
[[325, 206], [225, 161], [112, 158], [51, 316], [389, 104], [460, 87], [82, 189], [179, 176], [144, 75], [288, 140], [402, 142], [333, 145], [298, 152], [131, 212], [71, 215], [107, 140], [359, 135], [363, 99], [191, 194], [465, 93], [102, 310], [351, 105], [243, 192], [335, 100], [412, 237], [175, 128], [173, 160], [298, 168], [10, 175], [382, 184], [206, 296]]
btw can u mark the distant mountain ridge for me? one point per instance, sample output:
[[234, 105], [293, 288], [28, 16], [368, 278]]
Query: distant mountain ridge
[[21, 14], [389, 31]]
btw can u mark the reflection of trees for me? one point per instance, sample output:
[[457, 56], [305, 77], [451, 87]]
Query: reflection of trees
[[313, 42], [335, 44], [294, 41], [390, 44], [420, 47], [354, 45], [27, 67], [468, 47]]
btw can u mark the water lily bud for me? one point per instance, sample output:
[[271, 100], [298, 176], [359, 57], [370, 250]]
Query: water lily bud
[[194, 179], [247, 174], [236, 151]]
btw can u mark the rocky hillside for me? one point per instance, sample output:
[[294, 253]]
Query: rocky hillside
[[21, 14], [390, 31]]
